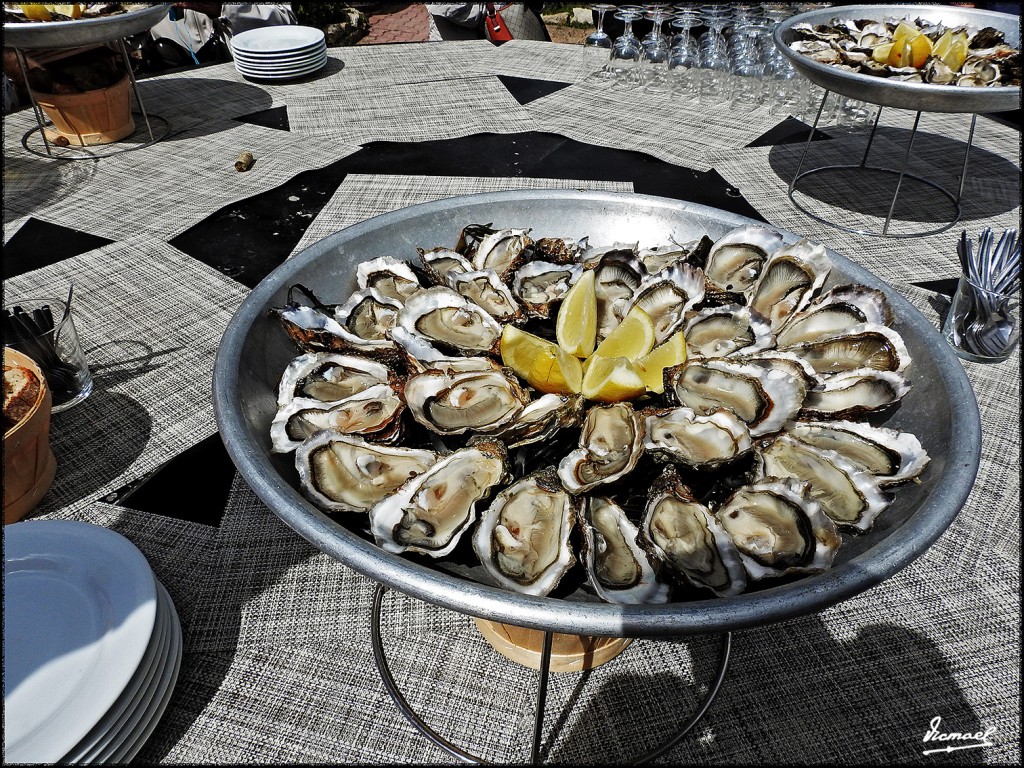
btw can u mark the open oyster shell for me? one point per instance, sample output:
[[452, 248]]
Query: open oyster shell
[[522, 539], [685, 536], [344, 473], [779, 528], [611, 443], [430, 511], [619, 569]]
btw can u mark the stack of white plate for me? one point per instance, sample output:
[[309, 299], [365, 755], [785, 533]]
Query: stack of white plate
[[279, 53], [92, 644]]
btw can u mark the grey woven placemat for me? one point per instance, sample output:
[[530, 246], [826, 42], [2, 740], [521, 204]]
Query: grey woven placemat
[[361, 196], [169, 186], [408, 111], [668, 128], [150, 320], [763, 175], [539, 60]]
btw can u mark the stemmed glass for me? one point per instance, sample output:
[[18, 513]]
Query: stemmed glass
[[682, 57], [599, 38], [654, 62], [626, 49], [712, 52], [747, 67]]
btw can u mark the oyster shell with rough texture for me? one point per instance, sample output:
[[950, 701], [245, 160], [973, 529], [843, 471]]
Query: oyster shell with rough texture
[[854, 394], [329, 377], [442, 318], [779, 528], [892, 456], [618, 568], [368, 314], [731, 329], [611, 443], [430, 511], [763, 397], [453, 404], [667, 296], [838, 310], [540, 419], [373, 413], [791, 277], [440, 262], [502, 250], [389, 276], [685, 536], [540, 285], [736, 259], [867, 345], [348, 474], [522, 539], [484, 287], [850, 496], [682, 436]]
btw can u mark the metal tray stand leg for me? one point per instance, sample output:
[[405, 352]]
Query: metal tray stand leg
[[97, 151], [901, 172], [392, 687]]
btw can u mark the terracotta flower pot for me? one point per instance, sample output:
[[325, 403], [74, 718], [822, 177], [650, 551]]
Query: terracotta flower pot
[[102, 116], [29, 464]]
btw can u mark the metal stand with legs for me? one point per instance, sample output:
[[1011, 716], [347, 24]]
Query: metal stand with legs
[[545, 664], [901, 172], [42, 124]]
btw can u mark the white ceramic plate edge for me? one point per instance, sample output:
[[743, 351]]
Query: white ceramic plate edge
[[66, 722]]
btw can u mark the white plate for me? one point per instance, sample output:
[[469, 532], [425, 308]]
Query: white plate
[[285, 37], [245, 66], [164, 690], [279, 56], [285, 75], [79, 613], [146, 677], [142, 719], [289, 63]]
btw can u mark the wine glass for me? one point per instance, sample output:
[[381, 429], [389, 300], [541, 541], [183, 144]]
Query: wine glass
[[626, 49], [599, 38], [654, 60], [712, 53], [682, 57]]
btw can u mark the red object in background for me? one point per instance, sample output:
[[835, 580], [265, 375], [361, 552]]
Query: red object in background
[[494, 26]]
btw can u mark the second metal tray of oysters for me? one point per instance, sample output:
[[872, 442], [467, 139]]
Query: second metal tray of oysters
[[923, 97]]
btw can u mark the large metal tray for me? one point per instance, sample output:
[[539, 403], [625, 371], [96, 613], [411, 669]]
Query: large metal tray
[[940, 409], [923, 97], [80, 32]]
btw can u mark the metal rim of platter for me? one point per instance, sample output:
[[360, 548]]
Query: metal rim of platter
[[255, 350], [922, 97], [80, 32]]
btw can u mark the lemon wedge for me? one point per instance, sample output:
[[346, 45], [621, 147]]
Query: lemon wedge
[[558, 373], [906, 30], [541, 363], [880, 53], [71, 10], [651, 366], [901, 53], [36, 11], [942, 44], [576, 323], [920, 50], [956, 55], [632, 338], [612, 380]]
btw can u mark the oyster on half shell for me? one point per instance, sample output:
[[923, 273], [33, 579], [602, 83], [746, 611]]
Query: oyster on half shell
[[611, 443], [685, 536], [348, 474], [619, 569], [442, 317], [373, 413], [522, 539], [430, 511], [779, 528]]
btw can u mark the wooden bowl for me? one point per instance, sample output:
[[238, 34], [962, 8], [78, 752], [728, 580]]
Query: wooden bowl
[[29, 464]]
